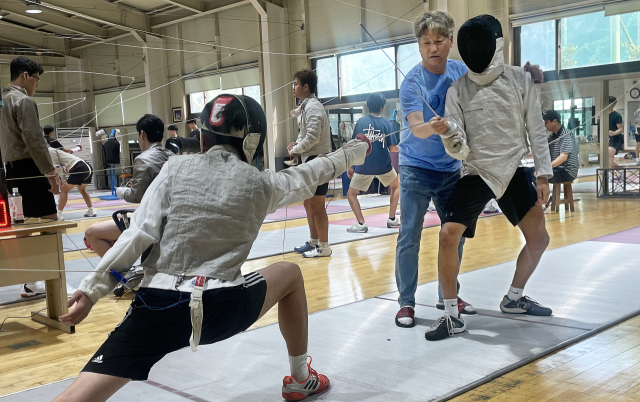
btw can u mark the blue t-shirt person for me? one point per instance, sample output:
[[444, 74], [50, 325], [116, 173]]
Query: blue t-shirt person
[[375, 128], [427, 153]]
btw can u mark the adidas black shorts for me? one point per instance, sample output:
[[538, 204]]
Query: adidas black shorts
[[145, 336]]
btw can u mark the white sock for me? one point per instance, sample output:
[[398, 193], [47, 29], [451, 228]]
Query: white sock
[[313, 242], [299, 368], [515, 293], [324, 245], [59, 211], [451, 307], [90, 209]]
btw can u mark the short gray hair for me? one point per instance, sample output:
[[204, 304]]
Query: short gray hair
[[437, 22]]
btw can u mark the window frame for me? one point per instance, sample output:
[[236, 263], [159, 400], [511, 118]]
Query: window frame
[[342, 99], [558, 73]]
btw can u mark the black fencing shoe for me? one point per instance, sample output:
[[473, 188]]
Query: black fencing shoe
[[445, 327], [524, 305]]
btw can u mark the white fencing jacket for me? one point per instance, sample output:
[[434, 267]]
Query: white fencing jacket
[[204, 211], [509, 124]]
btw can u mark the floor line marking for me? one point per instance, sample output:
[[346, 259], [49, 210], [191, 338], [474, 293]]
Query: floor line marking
[[500, 316], [176, 391]]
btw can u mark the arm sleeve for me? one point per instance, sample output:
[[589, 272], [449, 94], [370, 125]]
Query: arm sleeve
[[536, 131], [144, 230], [567, 143], [299, 183], [313, 126], [452, 108], [29, 123], [139, 184]]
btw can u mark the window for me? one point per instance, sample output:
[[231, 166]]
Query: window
[[408, 57], [327, 72], [367, 72], [595, 39], [199, 99], [253, 92], [538, 43], [196, 101]]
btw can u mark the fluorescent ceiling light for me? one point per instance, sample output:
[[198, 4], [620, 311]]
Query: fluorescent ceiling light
[[33, 7]]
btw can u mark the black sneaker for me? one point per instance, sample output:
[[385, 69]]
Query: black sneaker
[[524, 305], [445, 327]]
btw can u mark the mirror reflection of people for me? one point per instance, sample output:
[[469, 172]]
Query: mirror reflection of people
[[616, 127], [314, 139], [637, 124]]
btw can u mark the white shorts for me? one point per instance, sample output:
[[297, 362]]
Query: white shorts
[[363, 181]]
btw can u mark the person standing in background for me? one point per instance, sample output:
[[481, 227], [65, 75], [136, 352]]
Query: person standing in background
[[53, 143], [376, 165], [173, 131], [616, 127], [25, 154], [313, 140]]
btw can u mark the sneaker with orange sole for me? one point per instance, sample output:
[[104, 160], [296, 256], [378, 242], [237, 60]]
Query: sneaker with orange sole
[[293, 390]]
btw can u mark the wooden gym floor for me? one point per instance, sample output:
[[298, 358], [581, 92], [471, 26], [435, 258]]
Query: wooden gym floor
[[32, 355]]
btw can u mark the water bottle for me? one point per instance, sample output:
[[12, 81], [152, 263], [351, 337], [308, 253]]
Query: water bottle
[[15, 206]]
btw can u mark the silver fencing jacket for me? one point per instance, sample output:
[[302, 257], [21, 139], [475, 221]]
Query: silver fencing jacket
[[315, 133], [204, 211], [145, 168], [510, 124]]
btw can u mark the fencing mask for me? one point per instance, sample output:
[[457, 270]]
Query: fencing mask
[[477, 41], [235, 120]]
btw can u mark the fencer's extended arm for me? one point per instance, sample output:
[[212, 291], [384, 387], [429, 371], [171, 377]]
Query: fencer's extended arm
[[299, 183], [144, 230], [454, 140], [313, 127], [536, 131]]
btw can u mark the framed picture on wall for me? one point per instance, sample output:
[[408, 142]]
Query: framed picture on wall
[[177, 114]]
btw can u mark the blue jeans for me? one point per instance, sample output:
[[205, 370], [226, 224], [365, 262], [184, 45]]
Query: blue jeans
[[418, 187]]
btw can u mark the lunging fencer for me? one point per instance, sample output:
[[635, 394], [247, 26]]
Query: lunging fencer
[[203, 212], [491, 149]]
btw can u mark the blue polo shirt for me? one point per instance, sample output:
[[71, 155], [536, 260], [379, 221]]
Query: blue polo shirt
[[427, 153]]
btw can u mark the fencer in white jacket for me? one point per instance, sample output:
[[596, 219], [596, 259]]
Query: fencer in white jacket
[[491, 143], [203, 212]]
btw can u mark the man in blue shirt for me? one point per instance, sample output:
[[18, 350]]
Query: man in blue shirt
[[426, 171], [376, 165]]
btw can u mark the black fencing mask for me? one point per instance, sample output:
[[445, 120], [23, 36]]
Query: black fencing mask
[[235, 120], [477, 41]]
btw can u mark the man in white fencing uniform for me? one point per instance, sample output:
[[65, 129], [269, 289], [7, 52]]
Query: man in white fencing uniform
[[498, 138], [203, 212]]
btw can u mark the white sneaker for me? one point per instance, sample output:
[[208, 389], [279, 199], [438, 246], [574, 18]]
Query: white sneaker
[[90, 213], [318, 252], [60, 217], [393, 223], [358, 228], [432, 206], [32, 289], [491, 207], [637, 161]]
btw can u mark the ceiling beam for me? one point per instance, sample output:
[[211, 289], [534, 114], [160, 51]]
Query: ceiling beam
[[45, 61], [30, 37], [110, 39], [258, 7], [54, 19], [115, 15], [196, 6], [206, 12]]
